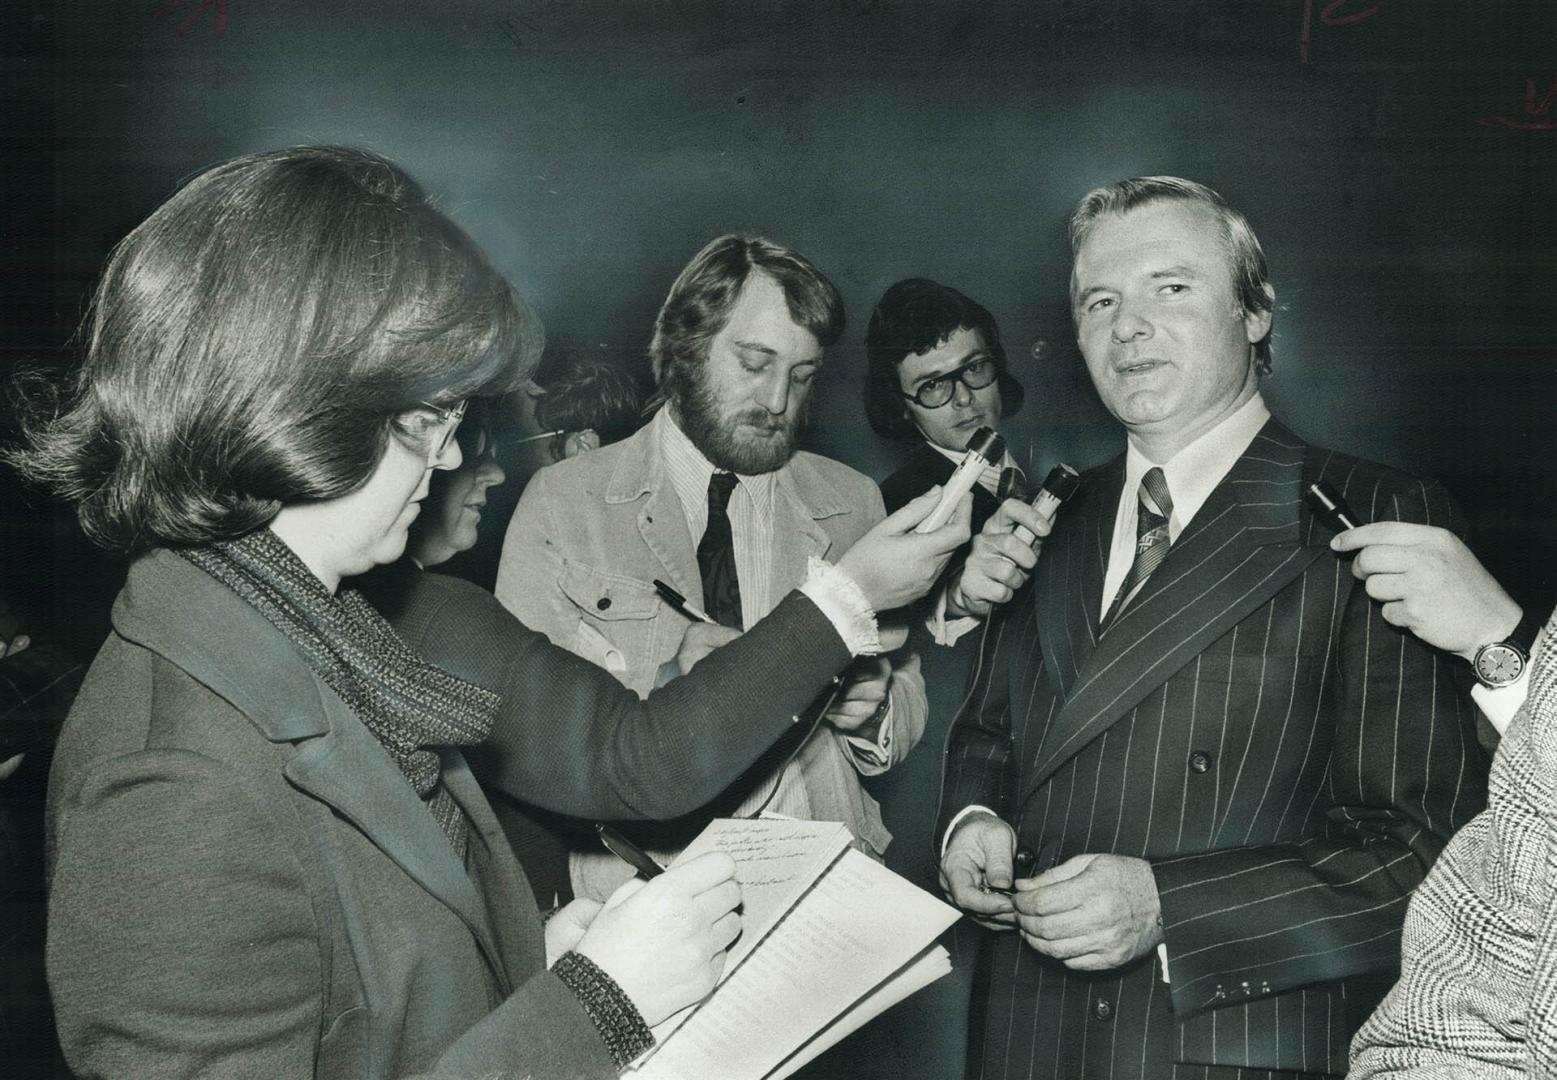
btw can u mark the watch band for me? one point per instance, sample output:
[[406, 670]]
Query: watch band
[[1526, 632]]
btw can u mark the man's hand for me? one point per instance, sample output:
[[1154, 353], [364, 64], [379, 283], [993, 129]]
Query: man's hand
[[980, 853], [893, 565], [1092, 912], [998, 564], [862, 699], [1430, 584], [701, 639]]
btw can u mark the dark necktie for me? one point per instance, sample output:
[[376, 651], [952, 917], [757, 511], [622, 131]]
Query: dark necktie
[[716, 555], [1151, 539]]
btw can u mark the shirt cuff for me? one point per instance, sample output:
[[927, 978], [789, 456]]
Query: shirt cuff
[[964, 812], [1162, 958], [945, 631], [840, 599], [1499, 705]]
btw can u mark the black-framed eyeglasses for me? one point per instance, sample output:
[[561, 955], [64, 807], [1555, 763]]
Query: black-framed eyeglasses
[[975, 375], [438, 429]]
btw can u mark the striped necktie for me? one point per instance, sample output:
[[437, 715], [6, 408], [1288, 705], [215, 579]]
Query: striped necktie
[[1151, 539]]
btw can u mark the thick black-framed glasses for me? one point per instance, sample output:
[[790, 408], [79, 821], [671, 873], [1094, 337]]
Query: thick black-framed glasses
[[975, 375]]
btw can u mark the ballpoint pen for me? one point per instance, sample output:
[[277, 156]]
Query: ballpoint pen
[[679, 602], [628, 852]]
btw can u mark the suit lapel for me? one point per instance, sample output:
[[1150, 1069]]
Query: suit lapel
[[799, 501], [662, 523], [1070, 582], [347, 769], [640, 477], [194, 621], [1242, 547]]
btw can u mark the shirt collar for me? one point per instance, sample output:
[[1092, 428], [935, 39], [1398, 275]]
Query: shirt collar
[[1195, 471]]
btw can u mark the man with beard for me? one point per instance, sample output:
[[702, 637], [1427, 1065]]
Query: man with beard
[[711, 499]]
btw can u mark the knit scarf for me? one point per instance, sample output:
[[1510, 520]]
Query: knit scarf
[[410, 706]]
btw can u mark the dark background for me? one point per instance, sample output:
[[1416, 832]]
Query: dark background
[[1398, 167], [592, 146]]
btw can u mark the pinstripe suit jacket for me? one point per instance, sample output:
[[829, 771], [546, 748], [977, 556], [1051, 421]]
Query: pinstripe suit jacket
[[1477, 997], [1288, 762]]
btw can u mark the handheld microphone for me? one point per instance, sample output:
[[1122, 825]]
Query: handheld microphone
[[1330, 507], [984, 450], [1059, 485]]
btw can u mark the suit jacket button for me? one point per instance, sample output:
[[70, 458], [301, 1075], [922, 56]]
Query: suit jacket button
[[1102, 1009], [1024, 861], [605, 602], [1199, 761]]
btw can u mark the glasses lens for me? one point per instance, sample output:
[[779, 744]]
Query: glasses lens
[[979, 374], [451, 424], [432, 425], [936, 392]]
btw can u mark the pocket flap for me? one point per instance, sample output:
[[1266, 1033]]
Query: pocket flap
[[608, 596]]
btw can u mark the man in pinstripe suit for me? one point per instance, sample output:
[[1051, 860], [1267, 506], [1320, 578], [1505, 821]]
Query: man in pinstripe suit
[[1208, 766]]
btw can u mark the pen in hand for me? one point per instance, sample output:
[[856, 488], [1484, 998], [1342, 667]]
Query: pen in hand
[[628, 852], [679, 602]]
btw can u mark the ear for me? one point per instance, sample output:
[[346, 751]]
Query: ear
[[1256, 324]]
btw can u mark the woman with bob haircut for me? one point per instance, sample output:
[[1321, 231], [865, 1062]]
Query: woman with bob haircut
[[268, 856]]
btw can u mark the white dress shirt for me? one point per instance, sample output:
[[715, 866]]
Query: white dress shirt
[[1192, 474]]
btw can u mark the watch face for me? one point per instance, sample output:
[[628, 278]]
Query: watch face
[[1499, 665]]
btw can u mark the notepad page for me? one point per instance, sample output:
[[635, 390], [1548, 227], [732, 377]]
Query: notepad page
[[931, 964], [857, 926], [776, 860]]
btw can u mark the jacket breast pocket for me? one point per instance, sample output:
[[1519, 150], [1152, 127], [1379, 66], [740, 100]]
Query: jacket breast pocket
[[617, 619]]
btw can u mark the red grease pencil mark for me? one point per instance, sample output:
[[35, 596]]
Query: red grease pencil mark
[[220, 7], [1329, 17], [1532, 108]]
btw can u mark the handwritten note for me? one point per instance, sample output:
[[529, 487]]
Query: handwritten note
[[859, 940], [776, 860]]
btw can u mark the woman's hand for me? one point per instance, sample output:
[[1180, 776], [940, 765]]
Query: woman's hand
[[566, 928], [893, 565], [664, 941]]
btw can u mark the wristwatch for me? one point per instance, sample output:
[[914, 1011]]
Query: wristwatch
[[1499, 663]]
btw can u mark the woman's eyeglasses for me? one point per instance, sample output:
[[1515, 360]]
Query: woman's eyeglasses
[[975, 375], [436, 425]]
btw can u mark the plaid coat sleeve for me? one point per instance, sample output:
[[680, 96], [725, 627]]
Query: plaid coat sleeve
[[1477, 996]]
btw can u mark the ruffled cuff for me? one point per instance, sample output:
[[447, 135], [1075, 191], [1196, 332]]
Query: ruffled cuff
[[612, 1012], [840, 599]]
